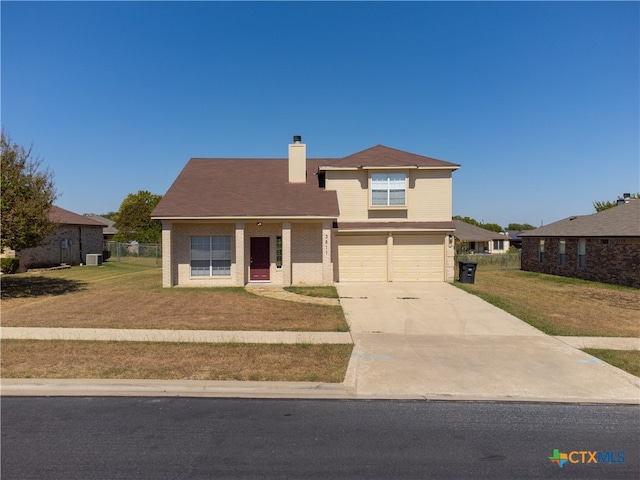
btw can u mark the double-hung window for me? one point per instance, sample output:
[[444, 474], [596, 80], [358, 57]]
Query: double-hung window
[[498, 244], [582, 253], [388, 189], [562, 248], [541, 251], [211, 256]]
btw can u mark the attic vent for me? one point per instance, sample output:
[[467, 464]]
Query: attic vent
[[572, 218]]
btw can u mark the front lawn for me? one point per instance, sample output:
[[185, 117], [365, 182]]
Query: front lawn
[[127, 295], [174, 361], [560, 305]]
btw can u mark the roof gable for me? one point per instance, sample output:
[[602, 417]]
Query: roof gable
[[619, 221], [381, 156], [61, 216]]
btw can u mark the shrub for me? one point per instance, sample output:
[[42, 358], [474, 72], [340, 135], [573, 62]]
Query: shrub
[[9, 265]]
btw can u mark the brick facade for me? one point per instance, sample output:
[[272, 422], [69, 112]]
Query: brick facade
[[306, 252], [69, 244], [609, 260]]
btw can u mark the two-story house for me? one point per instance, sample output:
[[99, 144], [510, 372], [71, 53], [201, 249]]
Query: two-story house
[[377, 215]]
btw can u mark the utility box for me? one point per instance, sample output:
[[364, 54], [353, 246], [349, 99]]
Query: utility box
[[94, 259], [467, 272]]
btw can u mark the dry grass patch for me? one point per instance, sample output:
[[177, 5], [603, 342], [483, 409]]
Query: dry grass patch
[[320, 291], [559, 305], [174, 361], [124, 295], [627, 360]]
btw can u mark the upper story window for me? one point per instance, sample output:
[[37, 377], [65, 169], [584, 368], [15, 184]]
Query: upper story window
[[388, 189]]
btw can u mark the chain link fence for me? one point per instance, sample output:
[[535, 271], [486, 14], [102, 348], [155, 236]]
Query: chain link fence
[[502, 261], [150, 253]]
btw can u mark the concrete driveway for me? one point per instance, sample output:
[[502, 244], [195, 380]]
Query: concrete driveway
[[434, 340]]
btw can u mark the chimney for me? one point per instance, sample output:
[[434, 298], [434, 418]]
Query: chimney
[[297, 161], [626, 197]]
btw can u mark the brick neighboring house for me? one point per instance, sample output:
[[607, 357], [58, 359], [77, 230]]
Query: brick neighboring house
[[479, 240], [74, 238], [603, 246], [109, 230], [377, 215]]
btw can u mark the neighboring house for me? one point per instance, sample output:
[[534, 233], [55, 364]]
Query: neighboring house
[[109, 231], [377, 215], [474, 239], [514, 238], [74, 238], [603, 246]]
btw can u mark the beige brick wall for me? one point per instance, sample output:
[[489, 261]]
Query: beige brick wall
[[307, 264], [83, 240], [307, 254]]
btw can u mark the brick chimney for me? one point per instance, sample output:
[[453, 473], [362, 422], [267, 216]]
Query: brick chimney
[[297, 161]]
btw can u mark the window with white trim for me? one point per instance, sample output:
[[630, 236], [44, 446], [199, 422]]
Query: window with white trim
[[388, 189], [211, 256], [498, 244]]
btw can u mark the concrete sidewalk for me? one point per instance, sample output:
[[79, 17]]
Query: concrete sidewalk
[[197, 336]]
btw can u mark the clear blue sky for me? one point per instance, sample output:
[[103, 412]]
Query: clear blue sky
[[539, 102]]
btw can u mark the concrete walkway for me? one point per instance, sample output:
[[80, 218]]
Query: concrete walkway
[[274, 291]]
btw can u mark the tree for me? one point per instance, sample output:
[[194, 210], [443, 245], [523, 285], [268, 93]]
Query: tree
[[134, 219], [493, 227], [520, 227], [603, 205], [27, 194], [468, 220]]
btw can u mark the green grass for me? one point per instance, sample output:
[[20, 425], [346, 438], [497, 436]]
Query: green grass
[[627, 360]]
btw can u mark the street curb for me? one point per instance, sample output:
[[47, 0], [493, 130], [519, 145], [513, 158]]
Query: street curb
[[239, 389]]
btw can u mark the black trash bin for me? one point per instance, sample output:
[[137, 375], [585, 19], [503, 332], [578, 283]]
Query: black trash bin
[[467, 272]]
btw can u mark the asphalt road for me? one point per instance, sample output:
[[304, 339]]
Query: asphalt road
[[198, 438]]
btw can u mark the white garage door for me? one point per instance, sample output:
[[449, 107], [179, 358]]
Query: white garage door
[[362, 258], [418, 258]]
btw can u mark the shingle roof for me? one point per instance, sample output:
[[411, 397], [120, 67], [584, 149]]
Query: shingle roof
[[245, 188], [619, 221], [109, 228], [470, 233], [65, 217], [381, 156], [250, 187]]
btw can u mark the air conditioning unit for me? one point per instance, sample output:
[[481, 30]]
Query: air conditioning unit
[[94, 259]]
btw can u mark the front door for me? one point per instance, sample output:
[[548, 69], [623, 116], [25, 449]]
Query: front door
[[259, 262]]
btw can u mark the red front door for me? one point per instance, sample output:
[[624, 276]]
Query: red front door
[[259, 263]]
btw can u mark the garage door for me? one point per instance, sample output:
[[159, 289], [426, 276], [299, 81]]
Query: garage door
[[362, 258], [418, 258]]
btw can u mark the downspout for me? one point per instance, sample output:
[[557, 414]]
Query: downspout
[[80, 244]]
